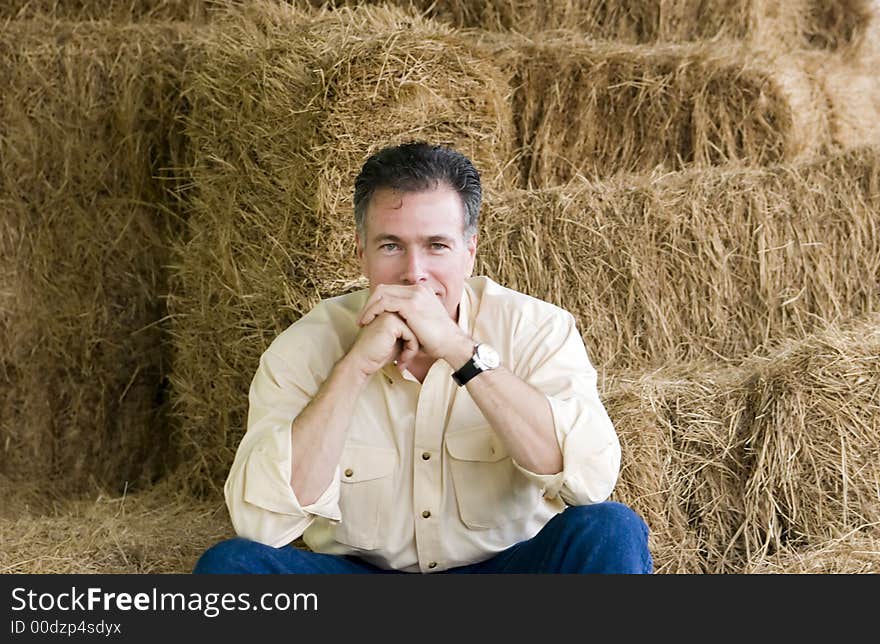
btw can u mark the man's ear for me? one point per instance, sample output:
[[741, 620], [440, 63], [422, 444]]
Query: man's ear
[[472, 254]]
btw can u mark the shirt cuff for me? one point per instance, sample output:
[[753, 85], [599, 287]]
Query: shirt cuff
[[550, 483], [327, 505], [267, 480], [590, 453]]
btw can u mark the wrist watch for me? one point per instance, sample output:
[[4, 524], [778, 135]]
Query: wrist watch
[[485, 358]]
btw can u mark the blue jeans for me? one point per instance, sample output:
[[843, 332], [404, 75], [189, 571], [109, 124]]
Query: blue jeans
[[603, 538]]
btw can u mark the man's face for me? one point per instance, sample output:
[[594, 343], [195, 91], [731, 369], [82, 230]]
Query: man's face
[[417, 238]]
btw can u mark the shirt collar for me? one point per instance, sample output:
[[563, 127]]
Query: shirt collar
[[465, 307]]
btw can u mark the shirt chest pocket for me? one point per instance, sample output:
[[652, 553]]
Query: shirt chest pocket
[[489, 490], [367, 475]]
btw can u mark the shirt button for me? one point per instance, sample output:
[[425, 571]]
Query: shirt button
[[349, 472], [426, 456], [433, 564], [426, 513]]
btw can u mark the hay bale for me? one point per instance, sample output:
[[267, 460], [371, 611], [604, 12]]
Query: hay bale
[[645, 482], [151, 532], [710, 264], [28, 498], [87, 115], [601, 108], [285, 108], [870, 48], [115, 10], [843, 26], [686, 421], [852, 90], [759, 460], [813, 443], [786, 24], [858, 553]]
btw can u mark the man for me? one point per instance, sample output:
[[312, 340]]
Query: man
[[434, 422]]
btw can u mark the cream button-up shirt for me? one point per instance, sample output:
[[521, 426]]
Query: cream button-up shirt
[[424, 483]]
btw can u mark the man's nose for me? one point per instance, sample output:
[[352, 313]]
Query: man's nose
[[414, 270]]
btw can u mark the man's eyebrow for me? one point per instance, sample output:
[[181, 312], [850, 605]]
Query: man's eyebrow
[[385, 237], [440, 238], [382, 237]]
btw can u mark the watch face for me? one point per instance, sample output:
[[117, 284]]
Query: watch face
[[488, 356]]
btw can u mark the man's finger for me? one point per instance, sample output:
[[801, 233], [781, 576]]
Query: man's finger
[[410, 349], [374, 297], [383, 305], [385, 290], [391, 292], [370, 311], [367, 306]]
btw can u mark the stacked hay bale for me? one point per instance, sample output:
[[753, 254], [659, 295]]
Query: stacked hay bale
[[647, 481], [123, 11], [765, 460], [797, 24], [285, 106], [727, 291], [703, 264], [848, 78], [689, 269], [87, 136], [598, 108], [813, 442], [696, 511], [751, 81], [853, 96], [739, 230], [858, 553]]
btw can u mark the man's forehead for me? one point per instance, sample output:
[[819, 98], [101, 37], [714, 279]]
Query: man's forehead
[[391, 197]]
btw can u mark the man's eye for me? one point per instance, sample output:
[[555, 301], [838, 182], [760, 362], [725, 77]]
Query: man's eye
[[388, 247], [438, 246]]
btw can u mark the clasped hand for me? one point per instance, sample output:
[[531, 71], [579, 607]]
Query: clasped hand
[[398, 322]]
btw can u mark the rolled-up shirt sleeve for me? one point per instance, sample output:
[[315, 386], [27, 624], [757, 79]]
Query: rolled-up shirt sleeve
[[261, 502], [556, 364]]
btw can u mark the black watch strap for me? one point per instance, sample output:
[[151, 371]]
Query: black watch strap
[[468, 371]]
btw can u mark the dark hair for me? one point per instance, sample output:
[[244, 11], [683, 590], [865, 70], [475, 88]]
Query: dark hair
[[415, 167]]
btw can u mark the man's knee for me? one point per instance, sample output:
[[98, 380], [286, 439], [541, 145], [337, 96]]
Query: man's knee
[[610, 517], [613, 534], [228, 557], [609, 522]]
